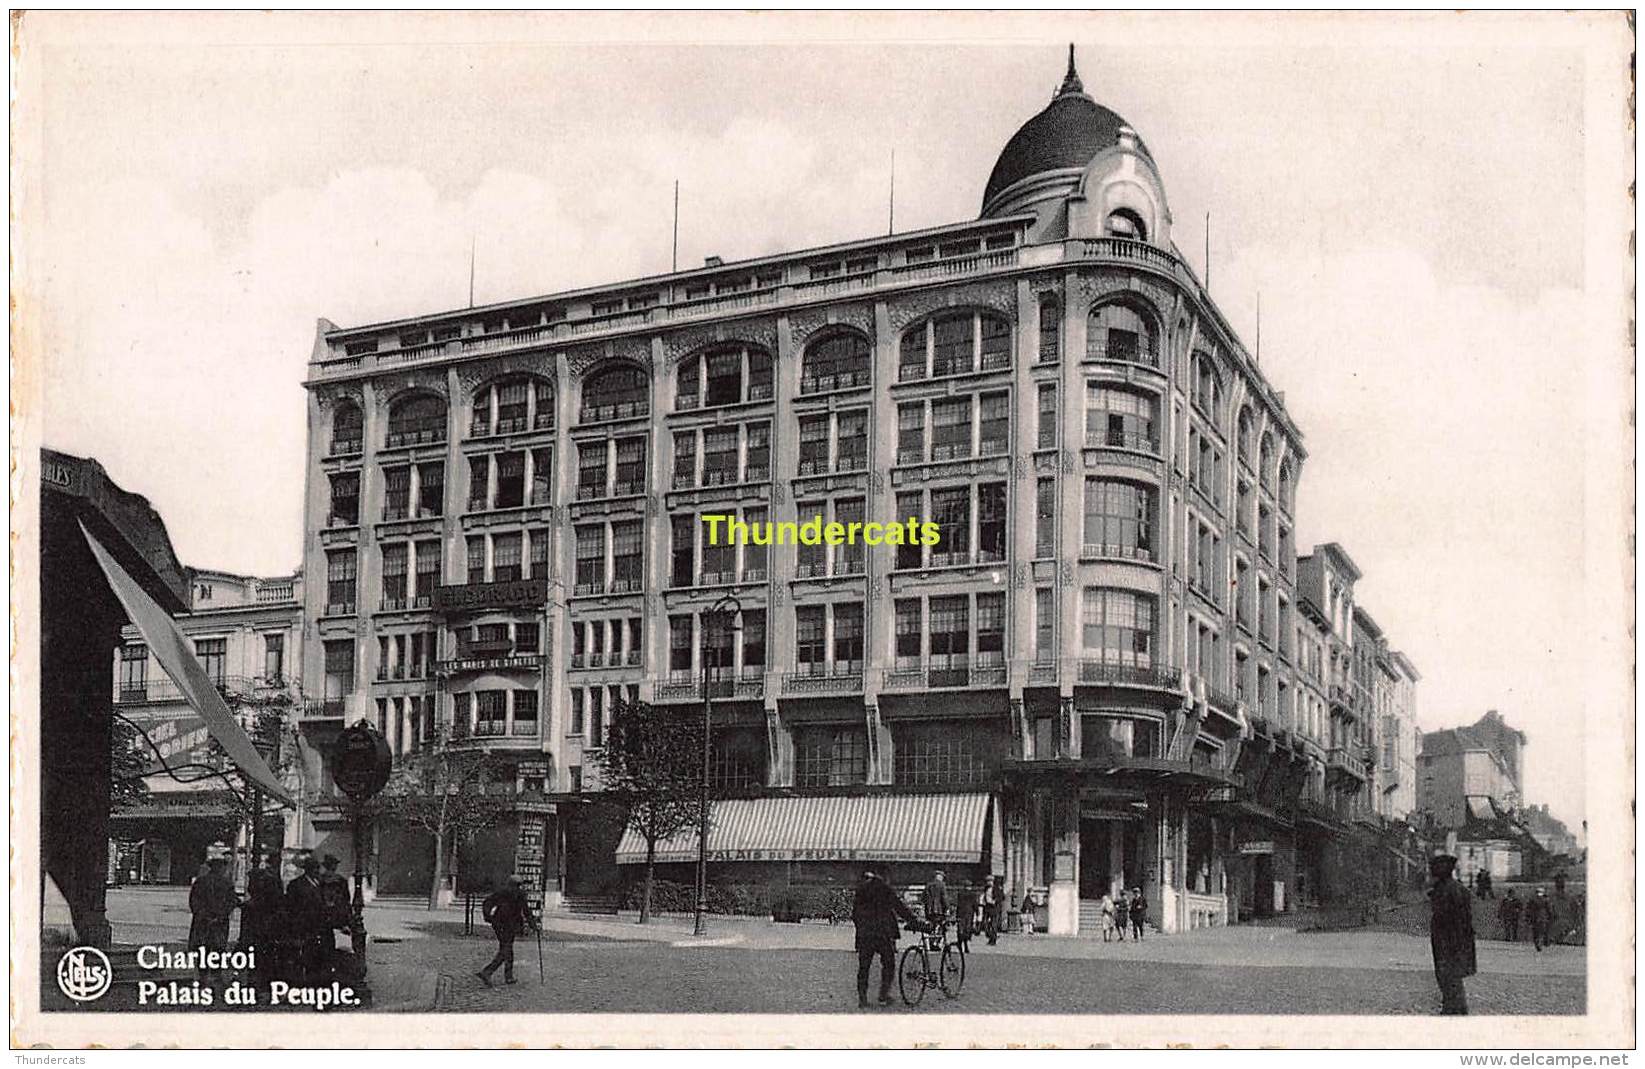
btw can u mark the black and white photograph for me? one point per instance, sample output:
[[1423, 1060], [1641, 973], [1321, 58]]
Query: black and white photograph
[[823, 529]]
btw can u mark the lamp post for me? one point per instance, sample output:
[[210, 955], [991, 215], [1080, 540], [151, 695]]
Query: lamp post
[[727, 608]]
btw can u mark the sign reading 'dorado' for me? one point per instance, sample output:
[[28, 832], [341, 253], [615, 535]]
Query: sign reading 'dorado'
[[491, 595]]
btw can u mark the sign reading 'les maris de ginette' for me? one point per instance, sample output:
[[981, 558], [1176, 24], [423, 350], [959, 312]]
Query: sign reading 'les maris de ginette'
[[473, 597]]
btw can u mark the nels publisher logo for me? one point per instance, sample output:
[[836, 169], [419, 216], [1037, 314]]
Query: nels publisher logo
[[84, 974]]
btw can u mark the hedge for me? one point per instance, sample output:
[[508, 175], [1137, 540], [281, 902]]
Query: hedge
[[780, 901]]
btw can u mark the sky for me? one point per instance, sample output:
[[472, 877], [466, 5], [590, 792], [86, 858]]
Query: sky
[[1411, 209]]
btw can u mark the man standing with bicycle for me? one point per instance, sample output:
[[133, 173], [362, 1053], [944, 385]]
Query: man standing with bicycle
[[875, 911]]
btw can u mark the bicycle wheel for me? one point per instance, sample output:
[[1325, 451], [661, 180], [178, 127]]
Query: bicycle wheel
[[952, 976], [911, 975]]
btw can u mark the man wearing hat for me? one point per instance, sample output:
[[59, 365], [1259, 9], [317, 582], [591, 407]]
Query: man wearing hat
[[211, 899], [874, 911], [306, 914], [509, 913], [334, 893], [1450, 933], [1539, 911]]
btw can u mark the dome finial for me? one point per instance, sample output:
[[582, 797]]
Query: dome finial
[[1071, 81]]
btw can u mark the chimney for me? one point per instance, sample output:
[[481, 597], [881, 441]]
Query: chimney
[[713, 261]]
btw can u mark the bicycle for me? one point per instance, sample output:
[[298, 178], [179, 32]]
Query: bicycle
[[914, 972]]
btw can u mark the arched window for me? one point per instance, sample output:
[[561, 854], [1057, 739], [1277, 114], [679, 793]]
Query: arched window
[[617, 392], [1247, 427], [1050, 330], [513, 404], [836, 362], [1125, 223], [347, 429], [725, 375], [416, 419], [1118, 331], [1266, 471], [955, 343], [1207, 387], [1286, 486]]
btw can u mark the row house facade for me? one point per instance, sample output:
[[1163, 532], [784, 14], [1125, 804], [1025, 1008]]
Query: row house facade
[[1105, 673]]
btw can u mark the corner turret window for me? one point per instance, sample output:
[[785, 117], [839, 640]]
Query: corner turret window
[[347, 429], [1119, 332], [1125, 223]]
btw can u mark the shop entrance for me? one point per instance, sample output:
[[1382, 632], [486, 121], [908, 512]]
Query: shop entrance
[[1109, 852]]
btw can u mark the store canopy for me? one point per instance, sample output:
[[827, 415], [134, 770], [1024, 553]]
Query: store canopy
[[171, 648], [946, 828]]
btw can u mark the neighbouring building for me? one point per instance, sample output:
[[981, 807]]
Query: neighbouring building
[[1549, 831], [1090, 682], [1470, 772], [245, 633], [1401, 740]]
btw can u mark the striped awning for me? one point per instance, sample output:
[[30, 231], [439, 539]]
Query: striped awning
[[951, 828]]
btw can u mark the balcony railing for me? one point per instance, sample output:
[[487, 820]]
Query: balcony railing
[[1123, 353], [936, 677], [329, 709], [1109, 550], [1097, 438], [1129, 675], [820, 683]]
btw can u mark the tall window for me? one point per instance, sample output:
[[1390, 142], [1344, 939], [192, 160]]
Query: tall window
[[213, 655], [848, 638], [479, 483], [1207, 386], [757, 463], [1245, 431], [341, 578], [591, 464], [591, 559], [682, 551], [813, 445], [274, 659], [506, 557], [339, 678], [1045, 518], [525, 713], [347, 429], [431, 489], [990, 630], [679, 648], [910, 633], [849, 557], [951, 428], [626, 562], [909, 507], [685, 459], [417, 419], [1050, 330], [629, 474], [1121, 418], [428, 569], [1118, 626], [939, 754], [542, 476], [720, 456], [1118, 332], [950, 641], [1118, 519], [1045, 625], [993, 425], [719, 564], [755, 555], [134, 666], [836, 362], [345, 500], [621, 391], [394, 575], [512, 405], [990, 522], [851, 432], [951, 512], [490, 712], [831, 757], [510, 480], [1047, 416], [727, 375], [810, 646], [911, 432], [753, 635], [811, 559]]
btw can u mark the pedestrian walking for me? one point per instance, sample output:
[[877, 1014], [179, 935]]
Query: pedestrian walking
[[1539, 912], [1107, 908], [1139, 913], [990, 904], [211, 899], [1508, 913], [306, 920], [1027, 913], [509, 913], [334, 895], [965, 916], [874, 910], [1485, 890], [1450, 934], [1122, 913]]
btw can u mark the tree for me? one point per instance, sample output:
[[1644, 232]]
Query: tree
[[130, 764], [652, 762], [449, 789]]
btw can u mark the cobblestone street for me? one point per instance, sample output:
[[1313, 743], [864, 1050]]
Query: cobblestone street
[[615, 966]]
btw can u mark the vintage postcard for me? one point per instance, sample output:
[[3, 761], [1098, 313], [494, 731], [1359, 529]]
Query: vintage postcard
[[822, 529]]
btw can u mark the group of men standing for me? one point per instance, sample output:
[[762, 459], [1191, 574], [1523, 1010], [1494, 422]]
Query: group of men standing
[[1537, 911], [290, 925]]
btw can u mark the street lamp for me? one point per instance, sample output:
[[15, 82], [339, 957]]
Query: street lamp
[[727, 608]]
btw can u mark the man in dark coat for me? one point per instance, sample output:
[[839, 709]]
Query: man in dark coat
[[509, 913], [306, 920], [1540, 913], [1451, 934], [334, 893], [874, 911], [1508, 913], [212, 900], [993, 905], [260, 917], [1139, 913], [965, 916], [935, 899]]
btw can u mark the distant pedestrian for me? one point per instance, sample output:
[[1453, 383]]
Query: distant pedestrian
[[989, 901], [935, 899], [1539, 911], [1139, 912], [212, 900], [1485, 890], [1027, 913], [509, 913], [334, 895], [1106, 907], [306, 919], [997, 919], [1122, 913], [965, 916], [1451, 934], [1508, 913], [875, 910]]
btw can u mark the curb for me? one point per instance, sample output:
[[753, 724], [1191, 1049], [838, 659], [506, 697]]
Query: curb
[[725, 941]]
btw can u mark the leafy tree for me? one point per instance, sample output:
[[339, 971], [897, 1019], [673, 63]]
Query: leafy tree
[[450, 789], [652, 762], [130, 761]]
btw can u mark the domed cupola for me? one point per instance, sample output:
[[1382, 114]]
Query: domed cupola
[[1046, 161]]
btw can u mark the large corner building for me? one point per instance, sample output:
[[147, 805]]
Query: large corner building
[[1090, 682]]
